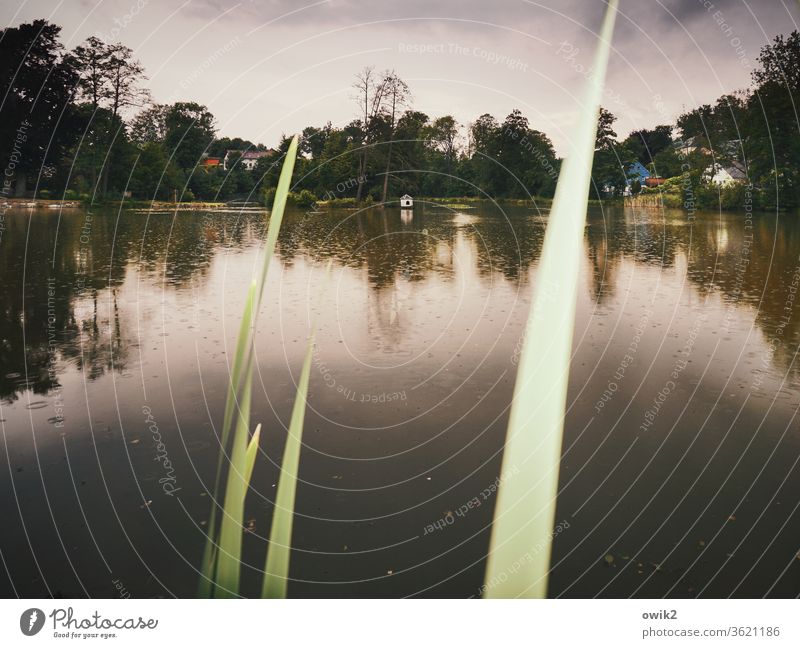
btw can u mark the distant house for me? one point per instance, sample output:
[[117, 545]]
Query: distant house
[[637, 171], [722, 175], [730, 148], [654, 181], [691, 145], [248, 159], [210, 162], [406, 201]]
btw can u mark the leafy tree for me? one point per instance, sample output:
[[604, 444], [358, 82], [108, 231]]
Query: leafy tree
[[220, 146], [484, 169], [155, 176], [312, 140], [645, 144], [110, 77], [37, 85], [773, 146], [411, 152], [611, 159], [606, 137], [150, 125], [189, 130]]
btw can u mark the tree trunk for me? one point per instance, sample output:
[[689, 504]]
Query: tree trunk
[[362, 176], [21, 186], [104, 175], [388, 168]]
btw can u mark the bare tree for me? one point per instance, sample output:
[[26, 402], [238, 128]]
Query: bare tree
[[398, 96], [370, 97], [126, 75], [110, 77], [91, 59]]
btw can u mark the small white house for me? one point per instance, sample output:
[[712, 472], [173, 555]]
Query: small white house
[[406, 201], [247, 159], [727, 175]]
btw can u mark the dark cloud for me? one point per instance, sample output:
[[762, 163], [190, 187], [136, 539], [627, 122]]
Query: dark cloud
[[668, 54]]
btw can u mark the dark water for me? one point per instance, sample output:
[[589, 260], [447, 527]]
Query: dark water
[[108, 317]]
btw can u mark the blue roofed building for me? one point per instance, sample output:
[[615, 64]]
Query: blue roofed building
[[636, 172]]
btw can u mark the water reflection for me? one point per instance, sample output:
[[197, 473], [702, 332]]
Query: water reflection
[[417, 343], [63, 309]]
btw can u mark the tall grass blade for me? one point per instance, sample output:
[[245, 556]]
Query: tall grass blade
[[252, 451], [276, 215], [242, 342], [276, 571], [526, 503], [230, 532], [242, 363]]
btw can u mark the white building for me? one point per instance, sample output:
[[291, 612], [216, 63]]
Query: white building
[[726, 175], [248, 159]]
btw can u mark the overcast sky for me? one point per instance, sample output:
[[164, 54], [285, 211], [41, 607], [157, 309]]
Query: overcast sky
[[266, 67]]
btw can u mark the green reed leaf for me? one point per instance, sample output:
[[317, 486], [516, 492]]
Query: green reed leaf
[[241, 374], [276, 572], [520, 547]]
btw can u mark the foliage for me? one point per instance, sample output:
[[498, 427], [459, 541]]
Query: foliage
[[188, 132], [37, 83], [72, 110]]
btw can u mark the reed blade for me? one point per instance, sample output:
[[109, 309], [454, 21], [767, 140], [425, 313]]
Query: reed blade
[[252, 452], [520, 547], [241, 370], [278, 207], [276, 571], [230, 532]]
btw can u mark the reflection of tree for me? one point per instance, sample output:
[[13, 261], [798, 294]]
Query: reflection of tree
[[507, 243], [375, 240], [754, 268], [28, 320], [60, 281], [99, 345], [81, 321], [603, 253]]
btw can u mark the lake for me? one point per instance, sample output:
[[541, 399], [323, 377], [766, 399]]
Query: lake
[[679, 474]]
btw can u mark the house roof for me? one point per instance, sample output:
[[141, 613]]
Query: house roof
[[639, 169], [737, 171], [249, 155]]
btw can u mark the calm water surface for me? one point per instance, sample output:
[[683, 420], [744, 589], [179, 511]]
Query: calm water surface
[[679, 476]]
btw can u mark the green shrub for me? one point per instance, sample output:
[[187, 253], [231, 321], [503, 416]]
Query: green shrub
[[305, 198]]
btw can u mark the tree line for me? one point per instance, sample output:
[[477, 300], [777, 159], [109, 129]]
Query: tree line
[[81, 123], [757, 129]]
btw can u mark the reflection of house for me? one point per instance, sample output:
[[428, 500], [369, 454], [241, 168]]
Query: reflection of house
[[726, 175], [247, 159]]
